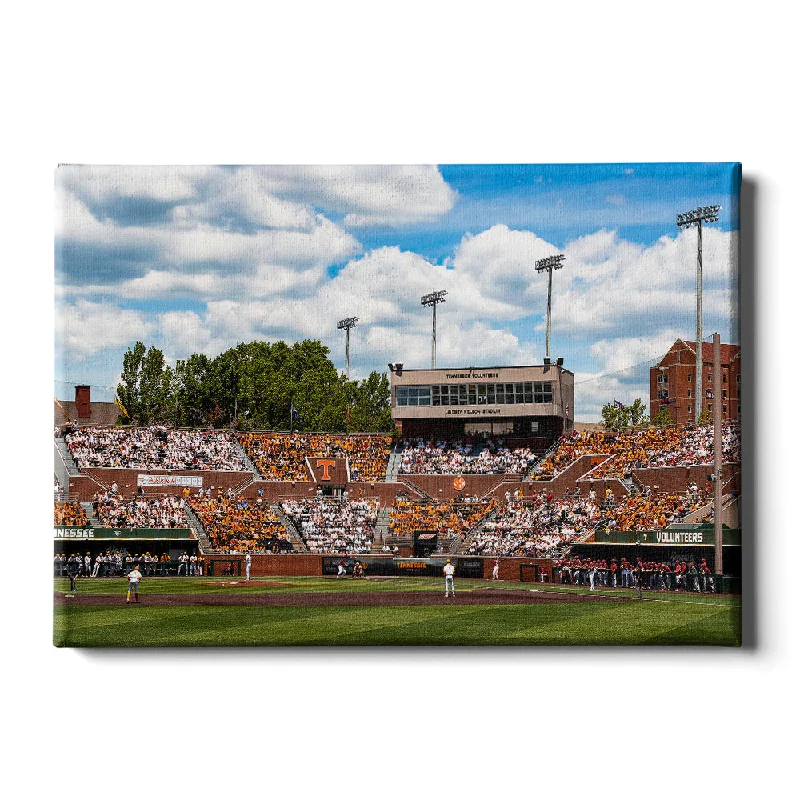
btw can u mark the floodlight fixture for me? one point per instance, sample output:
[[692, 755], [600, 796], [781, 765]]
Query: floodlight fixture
[[345, 325], [701, 214], [548, 264], [691, 219], [431, 300], [348, 323]]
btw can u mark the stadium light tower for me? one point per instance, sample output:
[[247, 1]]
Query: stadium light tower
[[345, 325], [550, 263], [431, 300], [688, 220]]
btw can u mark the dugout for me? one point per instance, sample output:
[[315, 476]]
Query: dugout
[[133, 541], [679, 542]]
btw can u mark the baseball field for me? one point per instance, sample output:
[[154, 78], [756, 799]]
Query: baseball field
[[193, 612]]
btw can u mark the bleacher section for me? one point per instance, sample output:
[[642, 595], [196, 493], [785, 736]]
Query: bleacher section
[[334, 526], [238, 525], [282, 457], [69, 515], [453, 458], [450, 520], [640, 449], [255, 491], [153, 448]]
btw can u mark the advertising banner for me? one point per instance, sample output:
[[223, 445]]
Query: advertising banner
[[114, 534], [429, 567], [697, 536], [169, 480]]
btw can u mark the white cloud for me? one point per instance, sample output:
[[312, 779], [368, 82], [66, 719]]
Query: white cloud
[[84, 328], [368, 195], [502, 264]]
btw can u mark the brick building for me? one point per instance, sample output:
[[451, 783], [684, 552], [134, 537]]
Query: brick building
[[84, 410], [672, 381]]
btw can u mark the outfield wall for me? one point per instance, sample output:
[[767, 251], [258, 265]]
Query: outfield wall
[[310, 564]]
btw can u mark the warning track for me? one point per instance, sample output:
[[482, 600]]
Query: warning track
[[481, 597]]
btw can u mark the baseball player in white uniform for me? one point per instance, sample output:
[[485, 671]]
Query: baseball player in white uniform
[[134, 576], [449, 586], [247, 566]]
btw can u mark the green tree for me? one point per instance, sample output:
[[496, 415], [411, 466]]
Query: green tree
[[662, 419], [705, 417], [193, 400], [370, 409], [637, 412], [146, 385], [615, 418]]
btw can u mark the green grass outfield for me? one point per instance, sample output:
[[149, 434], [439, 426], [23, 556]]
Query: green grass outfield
[[658, 619]]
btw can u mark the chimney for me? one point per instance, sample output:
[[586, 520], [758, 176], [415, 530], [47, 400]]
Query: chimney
[[83, 401]]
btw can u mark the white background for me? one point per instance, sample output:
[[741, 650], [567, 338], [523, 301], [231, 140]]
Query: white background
[[419, 82]]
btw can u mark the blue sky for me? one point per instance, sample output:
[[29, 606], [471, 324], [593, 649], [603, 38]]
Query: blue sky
[[196, 259]]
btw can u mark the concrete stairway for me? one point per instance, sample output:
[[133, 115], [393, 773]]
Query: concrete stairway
[[459, 543], [392, 466], [248, 463], [94, 520], [297, 540], [199, 531], [381, 529]]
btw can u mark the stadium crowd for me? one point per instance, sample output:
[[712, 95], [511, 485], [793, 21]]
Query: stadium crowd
[[443, 458], [539, 528], [544, 526], [641, 449], [241, 525], [334, 526], [114, 511], [281, 457], [69, 515], [450, 518], [155, 447]]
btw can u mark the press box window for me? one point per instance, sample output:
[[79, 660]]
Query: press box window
[[413, 395], [542, 392]]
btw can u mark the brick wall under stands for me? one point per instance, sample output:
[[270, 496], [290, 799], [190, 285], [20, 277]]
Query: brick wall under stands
[[311, 564], [440, 487], [91, 480]]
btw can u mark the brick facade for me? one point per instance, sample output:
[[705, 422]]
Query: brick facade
[[672, 381]]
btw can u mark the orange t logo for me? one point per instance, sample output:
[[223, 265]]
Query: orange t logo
[[325, 464]]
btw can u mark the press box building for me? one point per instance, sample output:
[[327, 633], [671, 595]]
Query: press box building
[[534, 403]]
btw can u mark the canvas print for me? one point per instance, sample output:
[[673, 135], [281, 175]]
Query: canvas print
[[492, 404]]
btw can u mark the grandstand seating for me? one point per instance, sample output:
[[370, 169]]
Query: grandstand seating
[[238, 524], [448, 518], [155, 447], [641, 449], [281, 457], [545, 526], [452, 458], [332, 525], [69, 515], [114, 511]]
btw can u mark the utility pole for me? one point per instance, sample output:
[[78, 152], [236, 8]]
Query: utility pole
[[689, 220], [431, 300], [717, 456], [346, 324], [550, 263]]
